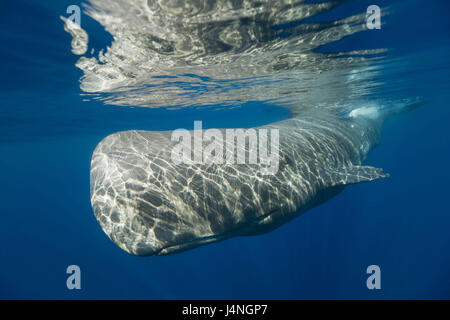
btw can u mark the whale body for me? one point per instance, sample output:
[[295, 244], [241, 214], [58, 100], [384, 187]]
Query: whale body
[[149, 205], [174, 54]]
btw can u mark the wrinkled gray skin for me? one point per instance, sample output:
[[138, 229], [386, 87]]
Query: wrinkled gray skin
[[148, 205]]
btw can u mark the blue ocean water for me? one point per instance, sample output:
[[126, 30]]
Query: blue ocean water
[[48, 132]]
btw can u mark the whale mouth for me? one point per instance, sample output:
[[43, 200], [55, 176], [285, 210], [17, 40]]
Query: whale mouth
[[200, 241]]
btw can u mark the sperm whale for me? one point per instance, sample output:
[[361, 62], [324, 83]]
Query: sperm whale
[[175, 54], [148, 205]]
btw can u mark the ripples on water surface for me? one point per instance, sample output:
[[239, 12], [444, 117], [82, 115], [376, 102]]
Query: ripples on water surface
[[219, 54], [184, 53]]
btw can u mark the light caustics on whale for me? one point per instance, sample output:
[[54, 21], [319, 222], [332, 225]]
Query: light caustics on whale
[[182, 53]]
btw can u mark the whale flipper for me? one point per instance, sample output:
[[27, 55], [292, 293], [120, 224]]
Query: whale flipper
[[354, 174]]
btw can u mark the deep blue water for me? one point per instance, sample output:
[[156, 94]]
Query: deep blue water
[[48, 134]]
